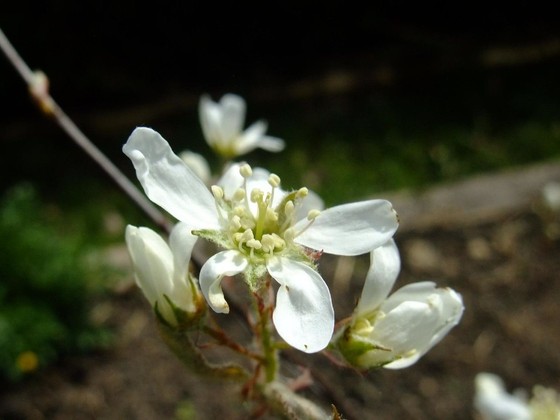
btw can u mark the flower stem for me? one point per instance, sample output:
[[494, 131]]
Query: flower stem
[[263, 329]]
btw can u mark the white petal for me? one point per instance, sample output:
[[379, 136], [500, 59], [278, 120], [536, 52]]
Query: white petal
[[198, 164], [350, 229], [168, 181], [231, 180], [153, 266], [382, 274], [210, 117], [181, 242], [407, 330], [251, 138], [494, 403], [225, 263], [272, 144], [443, 302], [233, 116], [451, 313], [304, 316]]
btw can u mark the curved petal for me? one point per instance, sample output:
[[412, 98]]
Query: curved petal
[[210, 116], [493, 401], [233, 116], [272, 144], [407, 330], [153, 264], [304, 315], [382, 274], [225, 263], [444, 303], [350, 229], [251, 138], [451, 313], [198, 164], [168, 181], [182, 242]]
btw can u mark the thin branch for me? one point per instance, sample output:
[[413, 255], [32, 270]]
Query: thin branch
[[38, 88]]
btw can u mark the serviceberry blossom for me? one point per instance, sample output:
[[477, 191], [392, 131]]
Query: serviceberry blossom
[[222, 126], [395, 331], [161, 271], [495, 403], [263, 231]]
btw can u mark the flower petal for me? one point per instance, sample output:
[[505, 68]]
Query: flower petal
[[382, 274], [182, 242], [493, 401], [168, 181], [225, 263], [443, 302], [451, 313], [272, 144], [350, 229], [304, 316], [233, 116], [198, 164], [210, 117], [407, 330], [153, 265], [251, 138]]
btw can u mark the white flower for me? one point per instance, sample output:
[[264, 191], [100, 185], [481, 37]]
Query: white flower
[[395, 331], [198, 164], [222, 125], [263, 230], [494, 403], [161, 271]]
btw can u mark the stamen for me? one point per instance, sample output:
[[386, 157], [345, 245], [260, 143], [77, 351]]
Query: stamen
[[302, 192], [313, 214], [239, 195], [274, 180], [217, 191], [245, 171]]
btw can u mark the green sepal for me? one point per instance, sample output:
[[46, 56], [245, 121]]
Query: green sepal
[[216, 236], [352, 347]]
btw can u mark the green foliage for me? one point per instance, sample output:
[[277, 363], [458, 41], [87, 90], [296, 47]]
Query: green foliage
[[43, 289]]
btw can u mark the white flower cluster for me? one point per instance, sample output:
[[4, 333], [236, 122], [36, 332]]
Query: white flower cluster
[[266, 232]]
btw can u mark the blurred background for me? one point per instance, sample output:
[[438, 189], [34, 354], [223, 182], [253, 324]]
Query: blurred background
[[368, 100]]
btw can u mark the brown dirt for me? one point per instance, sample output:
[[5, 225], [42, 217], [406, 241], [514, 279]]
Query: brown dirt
[[506, 270]]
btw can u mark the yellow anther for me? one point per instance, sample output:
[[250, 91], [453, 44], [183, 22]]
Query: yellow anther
[[289, 208], [247, 235], [239, 195], [313, 214], [217, 191], [235, 223], [267, 243], [254, 244], [302, 192], [274, 180], [245, 171]]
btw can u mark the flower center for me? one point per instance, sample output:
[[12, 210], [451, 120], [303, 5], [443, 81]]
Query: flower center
[[259, 221]]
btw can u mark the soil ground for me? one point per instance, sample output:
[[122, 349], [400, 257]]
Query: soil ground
[[504, 266]]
